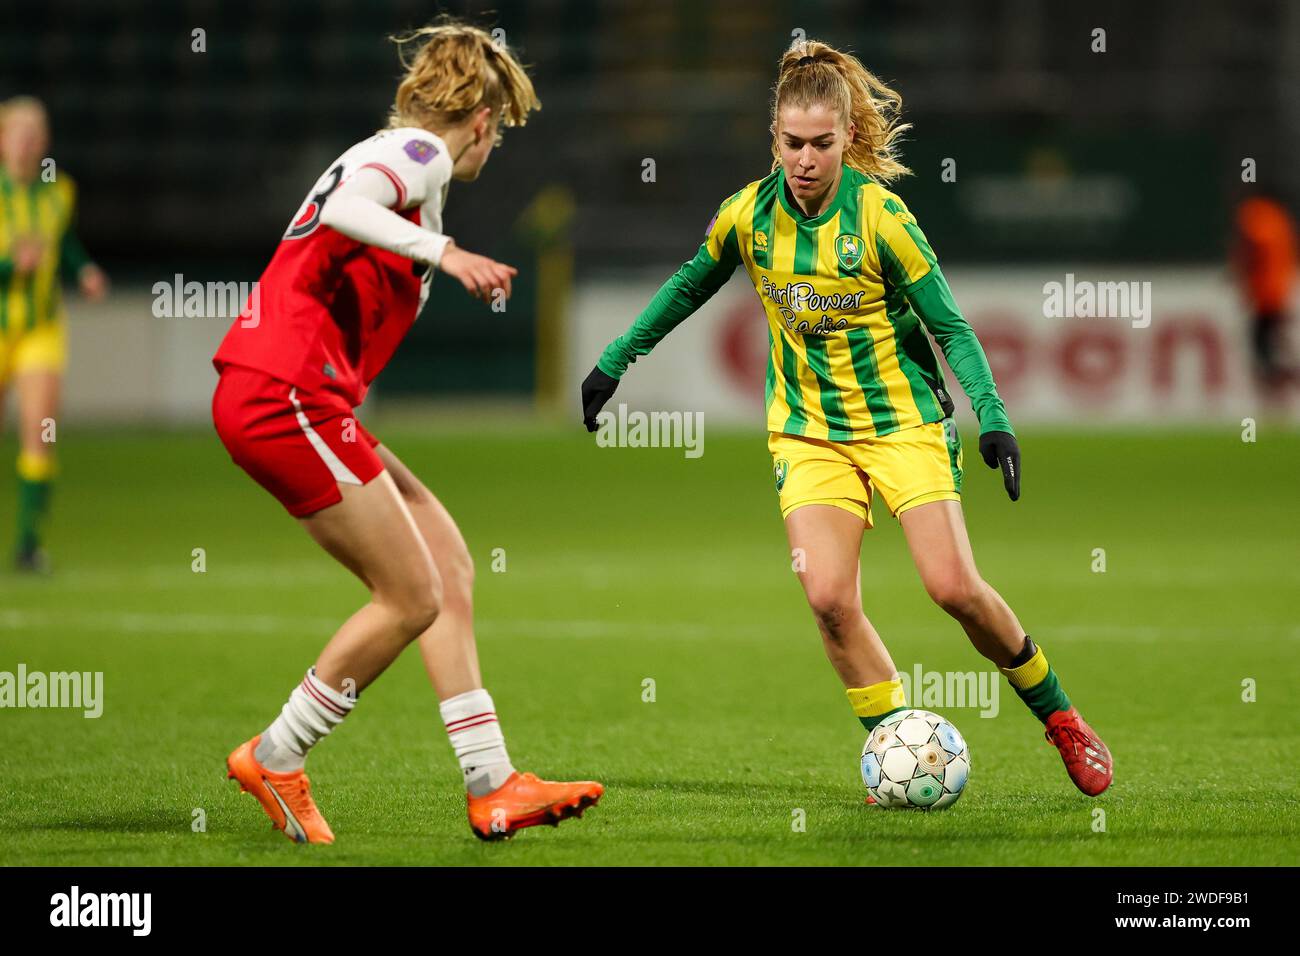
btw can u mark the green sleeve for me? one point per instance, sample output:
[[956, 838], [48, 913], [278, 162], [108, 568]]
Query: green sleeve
[[933, 302], [73, 256], [685, 291], [6, 268]]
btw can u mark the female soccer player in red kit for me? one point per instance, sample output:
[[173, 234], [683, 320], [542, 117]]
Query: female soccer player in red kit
[[340, 293]]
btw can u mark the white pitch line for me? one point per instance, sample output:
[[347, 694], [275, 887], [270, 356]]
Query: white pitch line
[[161, 576], [706, 572], [612, 628], [135, 622]]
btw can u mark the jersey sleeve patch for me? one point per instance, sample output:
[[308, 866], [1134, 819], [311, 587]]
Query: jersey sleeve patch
[[721, 209], [420, 150], [905, 254]]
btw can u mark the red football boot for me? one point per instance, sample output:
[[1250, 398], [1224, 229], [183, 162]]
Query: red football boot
[[1087, 759]]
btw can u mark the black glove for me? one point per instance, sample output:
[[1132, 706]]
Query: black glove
[[1000, 449], [597, 389]]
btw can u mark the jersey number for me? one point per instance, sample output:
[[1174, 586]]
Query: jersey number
[[308, 217]]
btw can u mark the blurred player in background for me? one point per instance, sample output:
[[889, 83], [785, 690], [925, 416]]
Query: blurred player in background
[[856, 399], [340, 293], [1264, 259], [39, 248]]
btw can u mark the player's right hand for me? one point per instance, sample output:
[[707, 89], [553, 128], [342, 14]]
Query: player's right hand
[[480, 275], [597, 389], [27, 253]]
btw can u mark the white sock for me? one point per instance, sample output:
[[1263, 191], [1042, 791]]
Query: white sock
[[471, 721], [312, 711]]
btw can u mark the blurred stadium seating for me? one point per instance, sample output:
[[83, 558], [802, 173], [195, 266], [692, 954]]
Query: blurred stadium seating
[[192, 162]]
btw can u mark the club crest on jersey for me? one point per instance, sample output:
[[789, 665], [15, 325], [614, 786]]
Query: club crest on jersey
[[420, 150], [760, 240], [848, 250], [779, 471]]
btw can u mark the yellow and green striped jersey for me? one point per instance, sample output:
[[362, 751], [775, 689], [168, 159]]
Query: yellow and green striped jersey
[[43, 211], [849, 295]]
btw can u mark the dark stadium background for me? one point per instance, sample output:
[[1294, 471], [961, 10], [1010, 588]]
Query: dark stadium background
[[193, 162]]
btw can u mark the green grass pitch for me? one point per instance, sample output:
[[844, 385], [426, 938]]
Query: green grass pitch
[[623, 565]]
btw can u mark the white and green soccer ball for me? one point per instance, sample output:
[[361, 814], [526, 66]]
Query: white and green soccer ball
[[915, 759]]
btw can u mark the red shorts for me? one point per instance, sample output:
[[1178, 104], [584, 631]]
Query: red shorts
[[300, 446]]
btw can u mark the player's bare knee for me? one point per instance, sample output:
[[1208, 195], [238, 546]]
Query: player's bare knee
[[833, 604], [418, 604], [958, 594], [419, 613]]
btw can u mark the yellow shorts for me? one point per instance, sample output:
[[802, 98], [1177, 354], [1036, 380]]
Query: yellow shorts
[[909, 468], [42, 349]]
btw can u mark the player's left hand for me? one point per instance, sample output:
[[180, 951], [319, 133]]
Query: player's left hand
[[1001, 449]]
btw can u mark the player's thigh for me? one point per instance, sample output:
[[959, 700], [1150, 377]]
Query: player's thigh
[[825, 548], [808, 471], [914, 466], [936, 536], [307, 449], [38, 392], [372, 532], [439, 530], [37, 358], [8, 343]]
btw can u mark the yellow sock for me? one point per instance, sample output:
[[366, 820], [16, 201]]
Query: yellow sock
[[873, 704], [35, 478], [1036, 683], [35, 467]]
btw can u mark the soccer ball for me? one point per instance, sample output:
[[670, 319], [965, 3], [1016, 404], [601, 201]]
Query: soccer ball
[[915, 759]]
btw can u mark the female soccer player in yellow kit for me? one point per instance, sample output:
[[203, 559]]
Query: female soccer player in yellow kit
[[856, 402], [38, 248]]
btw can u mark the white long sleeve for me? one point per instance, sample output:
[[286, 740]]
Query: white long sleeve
[[361, 209]]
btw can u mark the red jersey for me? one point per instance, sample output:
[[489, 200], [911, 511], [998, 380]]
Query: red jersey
[[329, 311]]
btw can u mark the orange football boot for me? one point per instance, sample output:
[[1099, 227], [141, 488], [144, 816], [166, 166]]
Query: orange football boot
[[526, 801], [286, 797]]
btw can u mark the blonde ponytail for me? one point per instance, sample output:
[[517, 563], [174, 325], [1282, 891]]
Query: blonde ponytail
[[453, 70], [813, 73]]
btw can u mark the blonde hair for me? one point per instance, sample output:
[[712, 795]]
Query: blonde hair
[[18, 104], [814, 73], [455, 70]]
